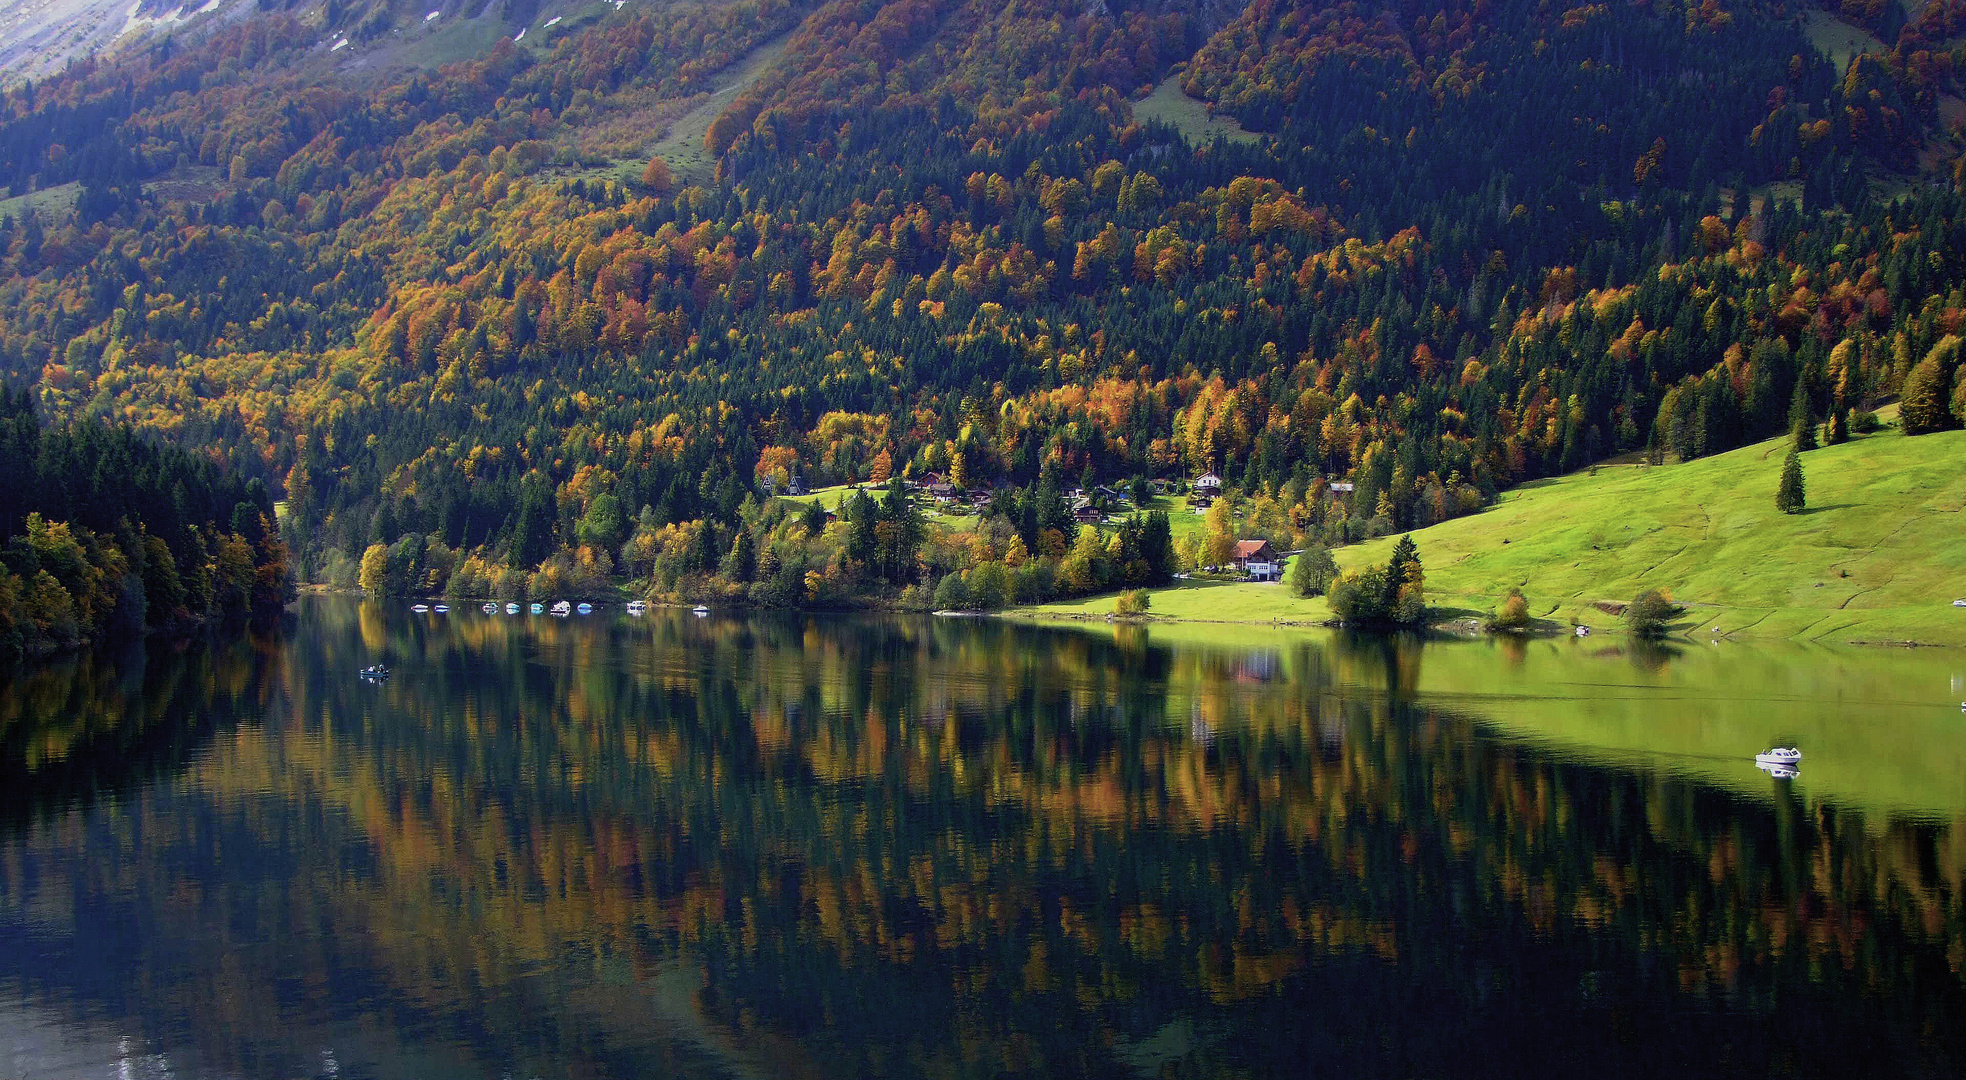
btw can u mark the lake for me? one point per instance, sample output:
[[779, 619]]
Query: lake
[[796, 846]]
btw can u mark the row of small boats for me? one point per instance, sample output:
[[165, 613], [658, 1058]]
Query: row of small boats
[[563, 607]]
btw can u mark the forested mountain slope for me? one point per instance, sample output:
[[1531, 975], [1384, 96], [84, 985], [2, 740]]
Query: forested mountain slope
[[1475, 244]]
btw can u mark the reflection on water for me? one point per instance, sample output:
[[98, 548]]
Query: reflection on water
[[799, 847]]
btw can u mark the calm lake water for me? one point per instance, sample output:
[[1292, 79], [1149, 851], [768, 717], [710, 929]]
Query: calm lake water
[[793, 847]]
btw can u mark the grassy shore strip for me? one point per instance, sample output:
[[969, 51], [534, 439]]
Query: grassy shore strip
[[1877, 559]]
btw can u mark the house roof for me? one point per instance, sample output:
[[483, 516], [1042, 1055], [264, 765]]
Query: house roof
[[1247, 548]]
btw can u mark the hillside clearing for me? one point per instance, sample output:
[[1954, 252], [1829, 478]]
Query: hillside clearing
[[1169, 104], [681, 143]]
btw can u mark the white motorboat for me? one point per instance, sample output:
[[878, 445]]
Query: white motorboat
[[489, 609], [1780, 755], [511, 609], [563, 608], [377, 671], [700, 610], [419, 608], [636, 607], [441, 608]]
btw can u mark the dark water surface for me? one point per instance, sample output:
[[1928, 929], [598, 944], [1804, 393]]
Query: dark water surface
[[795, 847]]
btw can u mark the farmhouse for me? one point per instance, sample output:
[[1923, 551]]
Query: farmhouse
[[1259, 560], [1208, 484]]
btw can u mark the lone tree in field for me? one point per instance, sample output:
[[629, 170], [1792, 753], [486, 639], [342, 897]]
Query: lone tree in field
[[657, 178], [1513, 614], [1651, 614], [1313, 571], [1789, 497]]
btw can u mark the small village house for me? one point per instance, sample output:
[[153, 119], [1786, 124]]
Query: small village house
[[1258, 559]]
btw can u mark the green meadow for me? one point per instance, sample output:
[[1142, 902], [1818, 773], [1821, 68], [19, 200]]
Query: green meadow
[[1878, 557]]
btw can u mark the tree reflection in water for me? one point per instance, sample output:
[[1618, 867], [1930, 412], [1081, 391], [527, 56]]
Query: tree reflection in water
[[796, 846]]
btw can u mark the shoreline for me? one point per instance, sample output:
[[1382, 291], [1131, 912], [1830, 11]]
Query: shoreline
[[1455, 621], [1463, 627]]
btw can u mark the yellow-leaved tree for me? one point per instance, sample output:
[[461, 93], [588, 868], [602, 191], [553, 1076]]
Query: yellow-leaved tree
[[375, 570]]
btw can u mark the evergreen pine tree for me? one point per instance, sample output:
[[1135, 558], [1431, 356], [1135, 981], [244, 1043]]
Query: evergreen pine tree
[[1402, 571], [1789, 497], [1802, 420]]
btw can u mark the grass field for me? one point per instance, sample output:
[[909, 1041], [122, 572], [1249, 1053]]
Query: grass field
[[682, 143], [1170, 105], [1878, 557], [831, 497], [1839, 40], [48, 204]]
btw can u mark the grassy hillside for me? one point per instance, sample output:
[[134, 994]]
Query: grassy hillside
[[1879, 556]]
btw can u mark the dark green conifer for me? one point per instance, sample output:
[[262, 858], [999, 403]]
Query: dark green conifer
[[1789, 497], [1802, 420]]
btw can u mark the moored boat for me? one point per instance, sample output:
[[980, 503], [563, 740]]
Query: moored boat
[[375, 671], [511, 609], [700, 610], [1780, 755], [563, 608], [636, 607], [585, 608], [489, 609], [537, 608], [419, 608], [441, 608]]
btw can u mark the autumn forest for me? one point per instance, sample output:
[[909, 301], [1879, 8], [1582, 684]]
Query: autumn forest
[[493, 327]]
